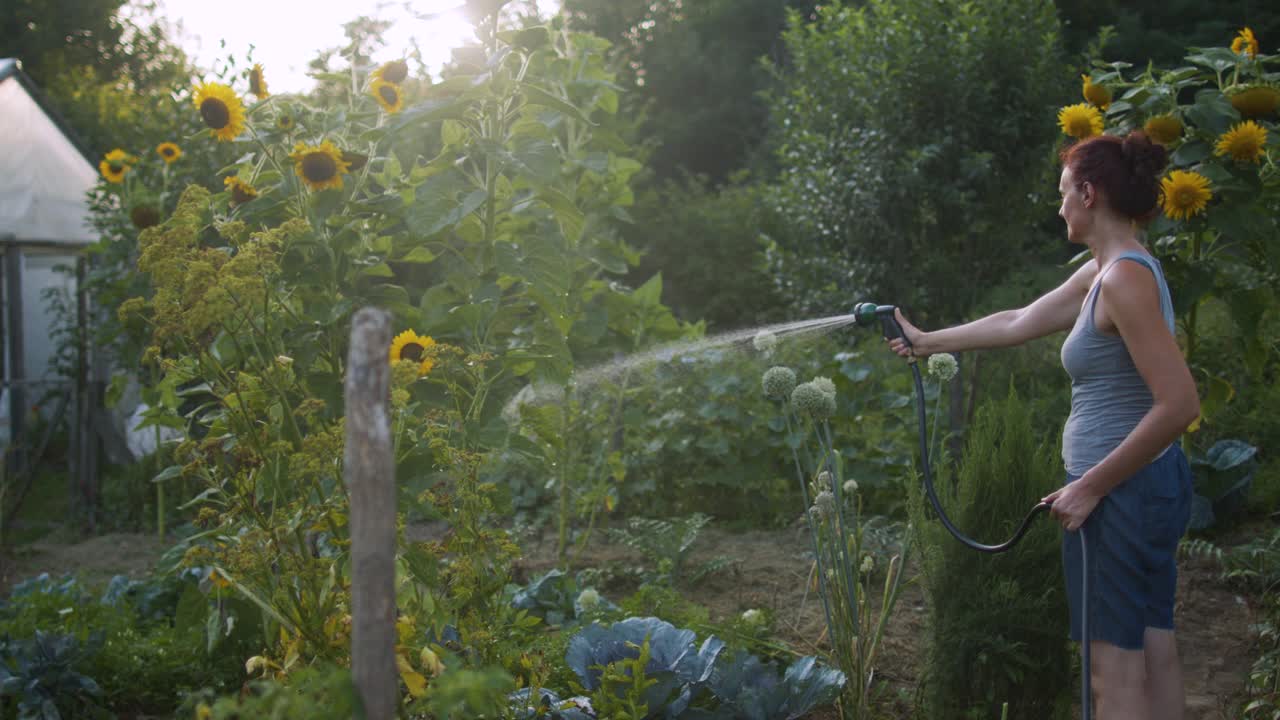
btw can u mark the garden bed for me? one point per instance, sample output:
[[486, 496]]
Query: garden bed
[[768, 571]]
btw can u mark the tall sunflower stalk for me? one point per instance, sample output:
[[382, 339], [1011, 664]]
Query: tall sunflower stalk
[[834, 514]]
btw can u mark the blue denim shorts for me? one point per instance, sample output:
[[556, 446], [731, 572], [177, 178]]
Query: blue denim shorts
[[1132, 537]]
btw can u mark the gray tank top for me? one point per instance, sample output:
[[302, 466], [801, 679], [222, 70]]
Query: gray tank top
[[1108, 396]]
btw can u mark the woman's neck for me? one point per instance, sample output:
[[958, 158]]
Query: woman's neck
[[1112, 239]]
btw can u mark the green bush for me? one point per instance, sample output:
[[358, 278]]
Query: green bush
[[143, 662], [997, 621]]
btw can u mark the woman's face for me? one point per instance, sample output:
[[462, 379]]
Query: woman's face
[[1076, 203]]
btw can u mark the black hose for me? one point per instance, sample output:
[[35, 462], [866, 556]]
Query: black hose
[[1085, 701]]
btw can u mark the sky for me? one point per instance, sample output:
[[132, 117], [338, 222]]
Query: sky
[[287, 34]]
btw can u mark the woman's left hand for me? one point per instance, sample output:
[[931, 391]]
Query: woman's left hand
[[1071, 504]]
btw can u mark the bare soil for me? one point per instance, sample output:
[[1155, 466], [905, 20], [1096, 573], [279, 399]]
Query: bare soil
[[771, 570]]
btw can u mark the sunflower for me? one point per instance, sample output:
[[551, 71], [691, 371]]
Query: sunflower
[[387, 94], [221, 110], [1097, 95], [1254, 100], [1164, 129], [320, 166], [1184, 194], [1245, 142], [120, 156], [113, 168], [1080, 120], [396, 72], [169, 152], [258, 83], [285, 122], [1245, 43], [409, 345], [241, 191]]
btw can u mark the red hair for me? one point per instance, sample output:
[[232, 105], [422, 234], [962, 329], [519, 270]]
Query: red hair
[[1126, 170]]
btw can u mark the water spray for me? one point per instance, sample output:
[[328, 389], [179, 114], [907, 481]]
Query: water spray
[[867, 314]]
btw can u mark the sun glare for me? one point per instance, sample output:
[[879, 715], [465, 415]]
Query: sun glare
[[285, 37]]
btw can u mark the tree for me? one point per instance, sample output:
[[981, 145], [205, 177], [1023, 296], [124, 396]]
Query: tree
[[97, 60], [1160, 31], [913, 140], [694, 69]]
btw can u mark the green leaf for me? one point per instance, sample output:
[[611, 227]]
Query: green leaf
[[537, 96], [1190, 153], [439, 202], [650, 293], [571, 219], [419, 254], [1212, 112], [537, 158], [168, 473]]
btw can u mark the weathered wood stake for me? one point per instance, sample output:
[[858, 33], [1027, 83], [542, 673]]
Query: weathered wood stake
[[370, 477]]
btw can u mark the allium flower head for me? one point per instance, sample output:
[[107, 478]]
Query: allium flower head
[[810, 400], [943, 366], [588, 599], [867, 564], [765, 341], [850, 487], [825, 502], [778, 382], [1080, 121], [825, 385], [824, 479]]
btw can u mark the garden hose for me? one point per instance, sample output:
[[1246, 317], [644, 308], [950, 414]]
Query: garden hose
[[865, 314]]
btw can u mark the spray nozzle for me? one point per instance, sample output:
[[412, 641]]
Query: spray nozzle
[[867, 313]]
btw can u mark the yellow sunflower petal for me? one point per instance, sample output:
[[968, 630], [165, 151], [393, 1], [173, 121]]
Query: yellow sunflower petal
[[1184, 194], [1245, 43], [1097, 95], [257, 82], [396, 71], [1164, 129], [387, 94], [113, 170], [1080, 120], [221, 110], [168, 151], [320, 166], [241, 191], [1245, 142]]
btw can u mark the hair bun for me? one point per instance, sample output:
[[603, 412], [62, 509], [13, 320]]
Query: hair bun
[[1146, 159]]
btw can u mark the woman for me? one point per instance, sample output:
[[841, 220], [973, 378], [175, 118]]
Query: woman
[[1128, 483]]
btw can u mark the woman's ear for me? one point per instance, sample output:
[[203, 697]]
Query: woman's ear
[[1088, 193]]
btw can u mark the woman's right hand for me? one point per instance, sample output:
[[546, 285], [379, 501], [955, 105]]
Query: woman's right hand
[[913, 334]]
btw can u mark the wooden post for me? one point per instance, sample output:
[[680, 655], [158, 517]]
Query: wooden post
[[17, 358], [370, 477], [80, 428]]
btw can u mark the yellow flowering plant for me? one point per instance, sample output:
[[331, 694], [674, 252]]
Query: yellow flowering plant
[[1216, 116], [481, 212]]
